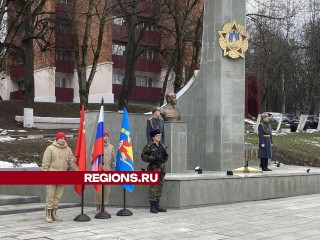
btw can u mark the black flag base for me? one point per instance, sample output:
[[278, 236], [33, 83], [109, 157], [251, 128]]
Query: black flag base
[[82, 218], [124, 212], [102, 215]]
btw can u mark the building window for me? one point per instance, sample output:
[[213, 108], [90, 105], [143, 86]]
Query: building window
[[118, 49], [147, 54], [65, 1], [147, 26], [21, 85], [18, 59], [63, 54], [143, 81], [60, 82], [117, 78], [118, 21], [63, 26]]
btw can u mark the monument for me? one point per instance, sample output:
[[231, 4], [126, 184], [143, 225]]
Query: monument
[[213, 107], [170, 112]]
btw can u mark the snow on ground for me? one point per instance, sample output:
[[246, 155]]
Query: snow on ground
[[279, 133], [6, 139], [246, 120], [4, 164], [5, 131], [25, 165]]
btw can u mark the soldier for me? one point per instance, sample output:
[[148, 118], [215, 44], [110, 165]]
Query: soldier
[[57, 157], [155, 122], [156, 155], [109, 165], [265, 142]]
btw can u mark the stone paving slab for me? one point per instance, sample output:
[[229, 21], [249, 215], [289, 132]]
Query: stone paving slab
[[277, 219]]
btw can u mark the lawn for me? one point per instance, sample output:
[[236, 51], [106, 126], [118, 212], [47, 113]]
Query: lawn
[[301, 148]]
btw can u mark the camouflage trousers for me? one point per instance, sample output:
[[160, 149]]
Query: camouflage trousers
[[54, 194], [156, 190]]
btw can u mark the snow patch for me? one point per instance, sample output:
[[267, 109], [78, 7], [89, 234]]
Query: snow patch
[[246, 120], [4, 164], [6, 139]]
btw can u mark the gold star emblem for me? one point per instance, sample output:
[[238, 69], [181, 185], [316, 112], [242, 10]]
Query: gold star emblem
[[233, 40]]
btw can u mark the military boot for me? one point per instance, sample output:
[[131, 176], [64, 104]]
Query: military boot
[[48, 216], [158, 206], [153, 208], [54, 215]]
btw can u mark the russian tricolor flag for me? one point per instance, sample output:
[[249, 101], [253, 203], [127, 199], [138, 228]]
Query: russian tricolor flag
[[98, 147]]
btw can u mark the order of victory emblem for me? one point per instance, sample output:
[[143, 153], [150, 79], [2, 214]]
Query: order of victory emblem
[[233, 40]]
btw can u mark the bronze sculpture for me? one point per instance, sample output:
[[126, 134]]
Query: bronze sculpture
[[170, 112]]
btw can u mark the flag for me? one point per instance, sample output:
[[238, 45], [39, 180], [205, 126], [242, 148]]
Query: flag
[[125, 153], [98, 147], [80, 151]]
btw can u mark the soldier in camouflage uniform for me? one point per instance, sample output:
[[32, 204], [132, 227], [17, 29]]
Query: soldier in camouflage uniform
[[156, 155]]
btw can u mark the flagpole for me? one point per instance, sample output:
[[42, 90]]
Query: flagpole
[[124, 211], [102, 214], [82, 217]]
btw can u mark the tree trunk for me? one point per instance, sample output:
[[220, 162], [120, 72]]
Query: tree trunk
[[131, 50], [179, 65], [28, 97], [165, 83]]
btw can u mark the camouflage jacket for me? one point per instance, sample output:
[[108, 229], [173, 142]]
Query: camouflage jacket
[[154, 155]]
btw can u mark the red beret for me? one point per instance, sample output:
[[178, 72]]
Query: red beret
[[60, 135], [105, 134]]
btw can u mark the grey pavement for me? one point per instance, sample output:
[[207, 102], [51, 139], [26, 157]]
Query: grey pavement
[[284, 218]]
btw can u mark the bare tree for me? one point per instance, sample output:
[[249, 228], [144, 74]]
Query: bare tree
[[311, 53], [178, 18], [271, 49], [31, 20], [134, 14], [91, 26]]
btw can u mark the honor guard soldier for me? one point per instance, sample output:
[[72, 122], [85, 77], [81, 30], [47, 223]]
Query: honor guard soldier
[[265, 142], [155, 122]]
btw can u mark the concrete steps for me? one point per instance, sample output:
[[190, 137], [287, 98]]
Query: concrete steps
[[15, 199], [12, 204]]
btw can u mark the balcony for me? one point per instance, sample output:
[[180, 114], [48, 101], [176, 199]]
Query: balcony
[[65, 66], [64, 94], [16, 95], [119, 33], [142, 65], [16, 71], [139, 93]]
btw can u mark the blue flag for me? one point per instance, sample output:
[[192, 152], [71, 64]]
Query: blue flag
[[125, 153]]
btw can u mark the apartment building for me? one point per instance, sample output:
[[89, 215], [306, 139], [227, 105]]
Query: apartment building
[[55, 75]]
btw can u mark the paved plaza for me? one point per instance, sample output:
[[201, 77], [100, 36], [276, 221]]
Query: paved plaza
[[285, 218]]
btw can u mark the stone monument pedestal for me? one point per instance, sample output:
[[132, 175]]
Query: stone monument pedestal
[[176, 140]]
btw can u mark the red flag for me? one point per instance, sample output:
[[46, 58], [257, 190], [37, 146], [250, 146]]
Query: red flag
[[80, 151]]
